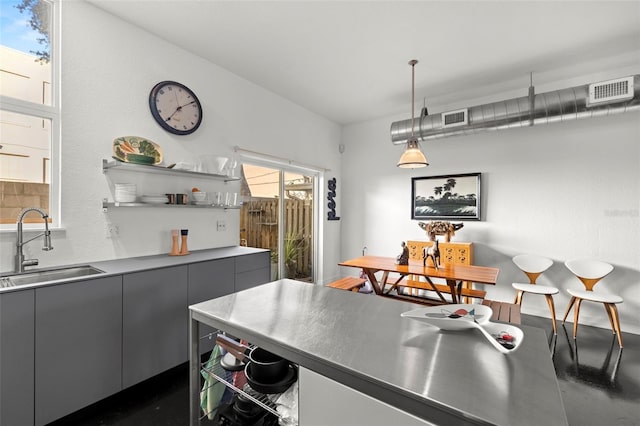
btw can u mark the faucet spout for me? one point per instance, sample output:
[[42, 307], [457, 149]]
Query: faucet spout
[[21, 262]]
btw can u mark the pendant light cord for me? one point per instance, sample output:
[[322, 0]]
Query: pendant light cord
[[413, 63]]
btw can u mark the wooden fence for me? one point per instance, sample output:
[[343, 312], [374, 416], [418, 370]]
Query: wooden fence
[[259, 228]]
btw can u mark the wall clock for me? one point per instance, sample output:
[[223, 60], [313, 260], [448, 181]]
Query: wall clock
[[175, 107]]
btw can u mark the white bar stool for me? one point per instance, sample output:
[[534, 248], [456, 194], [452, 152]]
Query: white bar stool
[[533, 265]]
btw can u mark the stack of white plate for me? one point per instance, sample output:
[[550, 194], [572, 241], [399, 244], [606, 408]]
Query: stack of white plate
[[154, 199], [125, 193]]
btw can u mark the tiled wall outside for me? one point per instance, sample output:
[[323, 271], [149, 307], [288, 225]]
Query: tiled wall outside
[[15, 196]]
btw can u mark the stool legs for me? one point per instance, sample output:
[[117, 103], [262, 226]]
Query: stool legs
[[566, 313], [576, 313], [519, 295], [553, 312], [608, 311], [611, 307]]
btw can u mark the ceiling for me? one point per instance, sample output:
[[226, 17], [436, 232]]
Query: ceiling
[[347, 60]]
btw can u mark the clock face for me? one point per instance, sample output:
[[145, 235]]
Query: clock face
[[175, 107]]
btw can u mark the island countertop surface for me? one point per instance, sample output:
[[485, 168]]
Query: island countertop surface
[[362, 342]]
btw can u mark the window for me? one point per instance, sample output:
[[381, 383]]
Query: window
[[29, 110]]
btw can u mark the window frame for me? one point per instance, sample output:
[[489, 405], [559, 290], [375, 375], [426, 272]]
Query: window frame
[[51, 112]]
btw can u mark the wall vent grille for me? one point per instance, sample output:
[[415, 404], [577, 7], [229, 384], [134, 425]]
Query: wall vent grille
[[455, 118], [611, 90]]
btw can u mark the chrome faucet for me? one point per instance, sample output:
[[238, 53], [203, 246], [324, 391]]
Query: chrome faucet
[[21, 262]]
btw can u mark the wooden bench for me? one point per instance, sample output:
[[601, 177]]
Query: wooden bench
[[503, 311], [443, 289], [348, 283]]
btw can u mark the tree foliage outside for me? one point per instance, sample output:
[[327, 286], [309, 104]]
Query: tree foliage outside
[[40, 20]]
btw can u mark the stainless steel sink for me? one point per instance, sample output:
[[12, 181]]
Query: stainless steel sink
[[48, 275]]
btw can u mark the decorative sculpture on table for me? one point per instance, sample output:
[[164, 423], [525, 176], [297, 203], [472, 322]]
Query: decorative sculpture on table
[[433, 253], [445, 228], [403, 258]]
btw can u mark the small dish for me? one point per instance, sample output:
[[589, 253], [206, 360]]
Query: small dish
[[505, 338], [451, 317]]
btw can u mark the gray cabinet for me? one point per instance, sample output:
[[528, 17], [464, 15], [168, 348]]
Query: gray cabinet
[[16, 357], [252, 270], [155, 322], [208, 280], [78, 356], [68, 345]]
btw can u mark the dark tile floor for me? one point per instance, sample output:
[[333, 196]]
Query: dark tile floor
[[600, 385]]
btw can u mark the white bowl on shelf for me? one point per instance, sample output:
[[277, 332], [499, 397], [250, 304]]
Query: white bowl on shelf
[[199, 196]]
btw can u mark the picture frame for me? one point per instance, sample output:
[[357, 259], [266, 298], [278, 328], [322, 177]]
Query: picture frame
[[446, 197]]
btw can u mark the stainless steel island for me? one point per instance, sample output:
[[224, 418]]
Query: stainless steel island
[[361, 342]]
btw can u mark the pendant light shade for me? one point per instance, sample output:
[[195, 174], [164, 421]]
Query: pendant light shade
[[412, 157]]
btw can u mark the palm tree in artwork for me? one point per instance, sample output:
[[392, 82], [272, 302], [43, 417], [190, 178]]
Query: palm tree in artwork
[[449, 185], [437, 190]]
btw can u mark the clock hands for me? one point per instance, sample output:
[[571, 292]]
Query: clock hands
[[174, 113], [179, 109]]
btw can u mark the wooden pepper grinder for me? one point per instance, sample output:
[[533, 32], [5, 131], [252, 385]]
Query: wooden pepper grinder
[[183, 246], [175, 246]]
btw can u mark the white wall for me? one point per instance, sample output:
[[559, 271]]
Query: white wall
[[108, 69], [562, 190]]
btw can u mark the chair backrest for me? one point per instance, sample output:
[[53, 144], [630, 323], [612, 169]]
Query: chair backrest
[[589, 271], [532, 265]]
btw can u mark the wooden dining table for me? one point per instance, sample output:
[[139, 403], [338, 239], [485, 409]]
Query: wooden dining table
[[453, 274]]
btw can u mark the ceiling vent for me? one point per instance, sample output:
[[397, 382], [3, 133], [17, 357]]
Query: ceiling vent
[[611, 91], [589, 100], [455, 118]]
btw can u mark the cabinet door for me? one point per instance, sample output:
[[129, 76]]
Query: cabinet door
[[155, 321], [78, 345], [208, 280], [252, 270], [349, 407], [17, 320]]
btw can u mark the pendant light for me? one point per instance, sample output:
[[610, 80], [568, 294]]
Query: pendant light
[[412, 157]]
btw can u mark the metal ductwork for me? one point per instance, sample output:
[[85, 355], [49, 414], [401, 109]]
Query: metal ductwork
[[591, 100]]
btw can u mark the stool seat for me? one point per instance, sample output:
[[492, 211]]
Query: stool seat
[[348, 283], [595, 296], [534, 288]]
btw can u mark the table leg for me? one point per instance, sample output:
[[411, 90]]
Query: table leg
[[394, 286], [454, 290], [373, 280], [434, 288]]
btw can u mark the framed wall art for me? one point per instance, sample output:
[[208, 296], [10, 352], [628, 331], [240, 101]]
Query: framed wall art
[[446, 197]]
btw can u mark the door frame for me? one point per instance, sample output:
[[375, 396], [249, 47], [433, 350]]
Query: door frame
[[283, 165]]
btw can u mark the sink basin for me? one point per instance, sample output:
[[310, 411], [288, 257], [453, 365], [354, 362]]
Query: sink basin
[[48, 275]]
